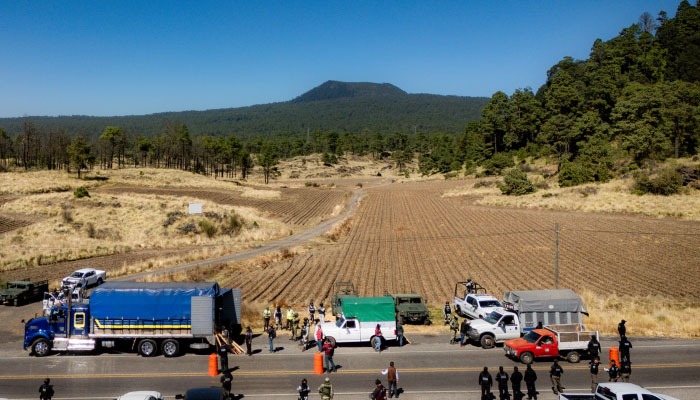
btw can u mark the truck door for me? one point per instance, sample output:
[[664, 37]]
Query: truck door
[[79, 324], [58, 321], [546, 347], [351, 330], [509, 327]]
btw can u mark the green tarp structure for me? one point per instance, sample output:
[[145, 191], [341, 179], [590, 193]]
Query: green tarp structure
[[369, 308]]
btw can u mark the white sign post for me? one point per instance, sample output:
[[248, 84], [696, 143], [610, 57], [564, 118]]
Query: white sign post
[[195, 208]]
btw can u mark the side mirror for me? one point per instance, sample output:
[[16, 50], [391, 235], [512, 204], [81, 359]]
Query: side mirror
[[23, 321]]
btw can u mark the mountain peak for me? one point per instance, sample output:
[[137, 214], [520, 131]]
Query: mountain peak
[[330, 90]]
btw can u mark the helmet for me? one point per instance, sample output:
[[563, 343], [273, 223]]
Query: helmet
[[327, 380]]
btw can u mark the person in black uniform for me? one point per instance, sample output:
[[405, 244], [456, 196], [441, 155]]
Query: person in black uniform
[[530, 378], [485, 382], [223, 357], [502, 379], [515, 378], [46, 390], [595, 366], [621, 329], [593, 347], [625, 369], [613, 371], [625, 347], [226, 382], [555, 373], [249, 340]]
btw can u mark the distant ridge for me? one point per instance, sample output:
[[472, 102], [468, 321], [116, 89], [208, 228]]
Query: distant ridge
[[333, 105]]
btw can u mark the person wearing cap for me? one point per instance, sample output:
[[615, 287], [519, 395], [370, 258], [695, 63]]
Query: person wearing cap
[[502, 379], [485, 382], [249, 340], [379, 392], [593, 347], [326, 389], [595, 367], [625, 347], [530, 379], [613, 371], [515, 379], [621, 329], [304, 390], [555, 374], [223, 356], [46, 390], [322, 312]]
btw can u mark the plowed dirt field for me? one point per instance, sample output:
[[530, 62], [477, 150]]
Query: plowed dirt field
[[406, 237], [305, 206]]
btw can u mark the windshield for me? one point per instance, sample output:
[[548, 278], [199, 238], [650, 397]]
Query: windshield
[[416, 300], [339, 322], [76, 275], [532, 337], [14, 286], [493, 318], [489, 303]]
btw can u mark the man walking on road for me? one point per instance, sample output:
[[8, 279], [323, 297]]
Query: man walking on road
[[555, 374], [249, 340], [271, 333], [399, 333], [485, 382], [326, 390], [329, 349], [223, 356], [593, 349], [266, 317], [46, 390], [393, 379], [454, 326], [595, 366], [530, 378], [625, 347], [463, 329], [502, 379], [378, 338], [515, 378]]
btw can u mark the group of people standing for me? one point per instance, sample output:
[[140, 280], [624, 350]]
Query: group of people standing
[[615, 372], [502, 379], [379, 391]]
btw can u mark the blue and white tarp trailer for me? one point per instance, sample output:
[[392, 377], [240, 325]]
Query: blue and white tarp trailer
[[151, 316], [549, 307]]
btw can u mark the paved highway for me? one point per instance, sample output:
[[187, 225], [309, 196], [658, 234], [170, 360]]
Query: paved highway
[[428, 369]]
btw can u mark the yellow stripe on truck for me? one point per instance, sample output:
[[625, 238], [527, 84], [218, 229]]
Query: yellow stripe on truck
[[142, 326]]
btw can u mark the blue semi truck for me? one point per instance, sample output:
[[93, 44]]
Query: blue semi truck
[[147, 317]]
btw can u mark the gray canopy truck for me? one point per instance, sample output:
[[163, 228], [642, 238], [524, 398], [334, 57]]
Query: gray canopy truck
[[548, 307]]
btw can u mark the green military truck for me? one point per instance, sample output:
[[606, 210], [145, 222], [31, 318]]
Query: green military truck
[[22, 292], [341, 290], [410, 308]]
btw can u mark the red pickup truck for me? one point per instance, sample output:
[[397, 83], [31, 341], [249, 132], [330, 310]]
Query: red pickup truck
[[567, 341]]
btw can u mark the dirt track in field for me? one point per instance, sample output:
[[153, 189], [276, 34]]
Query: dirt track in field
[[305, 206], [406, 237]]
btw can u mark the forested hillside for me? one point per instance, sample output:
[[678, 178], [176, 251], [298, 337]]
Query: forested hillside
[[339, 106], [634, 101]]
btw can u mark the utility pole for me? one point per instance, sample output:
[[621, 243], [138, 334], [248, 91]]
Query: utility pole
[[556, 255]]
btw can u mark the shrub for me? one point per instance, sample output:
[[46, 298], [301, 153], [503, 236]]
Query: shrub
[[573, 174], [233, 225], [311, 184], [496, 164], [329, 159], [90, 228], [516, 183], [450, 175], [81, 192], [667, 182], [209, 228]]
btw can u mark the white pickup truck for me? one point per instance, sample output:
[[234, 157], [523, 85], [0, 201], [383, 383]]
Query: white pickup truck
[[617, 391], [497, 327], [476, 305], [360, 318], [85, 277]]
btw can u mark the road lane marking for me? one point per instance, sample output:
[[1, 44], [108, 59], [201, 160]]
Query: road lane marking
[[306, 372]]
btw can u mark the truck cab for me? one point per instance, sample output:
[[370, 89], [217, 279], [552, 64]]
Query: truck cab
[[497, 327], [59, 330], [22, 292], [410, 307], [566, 341]]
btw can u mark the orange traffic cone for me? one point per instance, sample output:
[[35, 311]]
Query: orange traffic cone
[[318, 363], [615, 356], [213, 365]]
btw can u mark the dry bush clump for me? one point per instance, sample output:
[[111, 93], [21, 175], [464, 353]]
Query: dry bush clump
[[339, 230]]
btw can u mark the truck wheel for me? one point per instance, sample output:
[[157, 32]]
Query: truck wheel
[[147, 347], [487, 342], [427, 321], [99, 282], [41, 347], [373, 342], [331, 339], [527, 358], [573, 357], [170, 347]]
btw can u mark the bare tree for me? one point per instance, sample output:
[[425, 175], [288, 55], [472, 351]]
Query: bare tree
[[646, 23]]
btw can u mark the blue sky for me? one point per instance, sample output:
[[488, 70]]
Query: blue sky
[[131, 57]]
